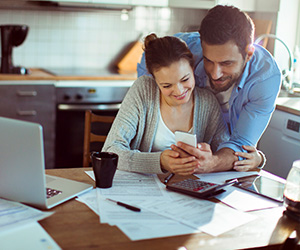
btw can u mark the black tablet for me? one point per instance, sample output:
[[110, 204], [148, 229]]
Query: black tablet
[[261, 185]]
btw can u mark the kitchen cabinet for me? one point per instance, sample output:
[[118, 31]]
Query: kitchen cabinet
[[195, 4], [121, 2], [159, 3], [35, 103], [154, 3], [113, 3], [249, 5]]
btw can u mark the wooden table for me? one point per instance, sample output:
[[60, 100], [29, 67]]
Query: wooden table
[[75, 226]]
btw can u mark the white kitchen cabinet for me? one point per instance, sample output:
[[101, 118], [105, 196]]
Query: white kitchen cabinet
[[249, 5], [111, 2], [268, 5], [155, 3], [66, 1], [194, 4], [253, 5]]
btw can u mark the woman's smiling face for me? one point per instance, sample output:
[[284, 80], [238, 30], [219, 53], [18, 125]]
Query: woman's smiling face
[[176, 82]]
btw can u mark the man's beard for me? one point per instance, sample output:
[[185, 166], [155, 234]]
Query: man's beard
[[233, 80], [223, 88]]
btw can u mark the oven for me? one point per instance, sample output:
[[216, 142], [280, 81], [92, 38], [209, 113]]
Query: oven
[[73, 98]]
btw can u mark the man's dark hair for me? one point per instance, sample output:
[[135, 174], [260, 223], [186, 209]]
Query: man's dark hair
[[225, 23]]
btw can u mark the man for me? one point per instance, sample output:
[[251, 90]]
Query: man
[[244, 78]]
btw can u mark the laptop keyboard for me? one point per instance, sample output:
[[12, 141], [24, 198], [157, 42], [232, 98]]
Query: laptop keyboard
[[52, 192]]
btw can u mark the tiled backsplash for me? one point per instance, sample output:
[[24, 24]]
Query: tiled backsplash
[[90, 39]]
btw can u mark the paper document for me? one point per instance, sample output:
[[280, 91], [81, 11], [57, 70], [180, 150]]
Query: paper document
[[14, 214], [164, 228], [129, 186], [140, 225], [244, 200], [89, 198], [19, 228], [136, 225], [203, 215], [29, 236], [163, 212]]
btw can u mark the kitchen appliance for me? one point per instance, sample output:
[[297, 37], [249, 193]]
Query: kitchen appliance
[[11, 36], [73, 98], [281, 142]]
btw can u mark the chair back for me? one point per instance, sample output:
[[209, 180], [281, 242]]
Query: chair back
[[89, 136]]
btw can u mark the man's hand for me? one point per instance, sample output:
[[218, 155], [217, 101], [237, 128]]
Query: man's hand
[[252, 159], [172, 162]]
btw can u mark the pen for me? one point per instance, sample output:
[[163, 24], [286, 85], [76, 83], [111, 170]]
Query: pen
[[168, 178], [132, 208]]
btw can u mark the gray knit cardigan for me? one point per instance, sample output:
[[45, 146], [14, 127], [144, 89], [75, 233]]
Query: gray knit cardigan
[[132, 133]]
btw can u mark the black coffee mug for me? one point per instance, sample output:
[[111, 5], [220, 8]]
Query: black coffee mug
[[104, 167]]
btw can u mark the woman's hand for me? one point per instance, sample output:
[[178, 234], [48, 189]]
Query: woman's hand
[[203, 155], [253, 159], [172, 162]]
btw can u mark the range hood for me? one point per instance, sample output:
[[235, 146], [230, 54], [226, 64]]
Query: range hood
[[91, 4]]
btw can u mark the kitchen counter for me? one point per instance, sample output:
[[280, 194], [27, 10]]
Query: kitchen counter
[[44, 75], [289, 104]]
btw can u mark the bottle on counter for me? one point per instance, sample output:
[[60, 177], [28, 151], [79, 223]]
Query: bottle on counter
[[291, 194], [296, 69]]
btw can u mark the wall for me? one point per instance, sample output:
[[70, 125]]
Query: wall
[[90, 39], [286, 28]]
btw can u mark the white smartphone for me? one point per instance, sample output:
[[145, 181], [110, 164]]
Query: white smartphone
[[186, 138]]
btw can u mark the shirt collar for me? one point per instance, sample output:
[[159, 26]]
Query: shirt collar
[[244, 76]]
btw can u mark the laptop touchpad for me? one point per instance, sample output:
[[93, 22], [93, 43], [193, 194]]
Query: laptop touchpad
[[50, 179]]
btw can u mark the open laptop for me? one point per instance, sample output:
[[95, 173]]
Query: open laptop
[[22, 168]]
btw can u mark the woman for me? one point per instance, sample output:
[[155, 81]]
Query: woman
[[155, 107]]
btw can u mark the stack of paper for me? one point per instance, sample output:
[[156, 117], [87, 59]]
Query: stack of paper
[[163, 213], [19, 228]]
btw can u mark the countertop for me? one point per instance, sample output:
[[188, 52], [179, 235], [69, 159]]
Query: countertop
[[289, 104], [44, 75]]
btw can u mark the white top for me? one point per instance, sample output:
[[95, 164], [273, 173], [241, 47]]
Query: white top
[[163, 138]]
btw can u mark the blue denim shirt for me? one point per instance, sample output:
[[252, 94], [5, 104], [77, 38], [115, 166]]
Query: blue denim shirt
[[252, 100]]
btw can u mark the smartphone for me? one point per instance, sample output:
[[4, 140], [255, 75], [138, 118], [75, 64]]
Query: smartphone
[[186, 138]]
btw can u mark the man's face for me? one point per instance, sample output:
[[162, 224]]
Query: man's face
[[223, 64]]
